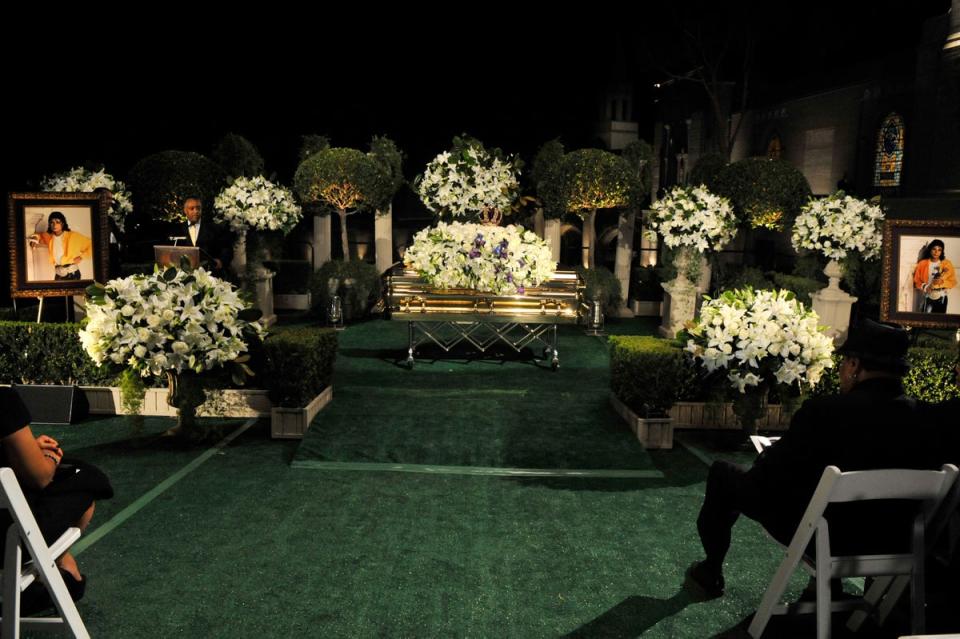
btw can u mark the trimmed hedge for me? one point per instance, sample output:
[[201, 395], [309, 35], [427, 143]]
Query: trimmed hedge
[[298, 364], [47, 354], [648, 373]]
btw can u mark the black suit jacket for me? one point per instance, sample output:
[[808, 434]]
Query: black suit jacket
[[213, 241], [873, 426]]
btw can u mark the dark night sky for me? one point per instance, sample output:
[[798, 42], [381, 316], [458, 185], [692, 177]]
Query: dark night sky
[[512, 80]]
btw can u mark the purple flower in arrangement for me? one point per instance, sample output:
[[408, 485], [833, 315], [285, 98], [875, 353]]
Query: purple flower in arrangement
[[521, 290], [474, 253], [479, 241], [521, 262], [510, 277]]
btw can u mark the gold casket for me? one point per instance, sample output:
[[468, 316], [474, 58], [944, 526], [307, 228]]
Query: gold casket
[[449, 316]]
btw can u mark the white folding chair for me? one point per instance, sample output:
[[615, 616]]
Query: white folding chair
[[19, 574], [927, 486]]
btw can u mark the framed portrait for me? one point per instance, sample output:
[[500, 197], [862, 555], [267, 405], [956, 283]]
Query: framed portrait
[[919, 286], [58, 242]]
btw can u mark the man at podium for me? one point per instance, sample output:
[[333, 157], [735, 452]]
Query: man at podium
[[213, 242]]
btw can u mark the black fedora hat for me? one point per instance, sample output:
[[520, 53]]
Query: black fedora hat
[[882, 344]]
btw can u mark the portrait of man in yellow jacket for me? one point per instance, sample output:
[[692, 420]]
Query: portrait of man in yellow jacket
[[934, 276], [66, 249]]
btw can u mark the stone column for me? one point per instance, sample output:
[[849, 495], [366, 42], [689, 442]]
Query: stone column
[[679, 299], [833, 305], [263, 289], [624, 259], [383, 238], [551, 234], [239, 262], [321, 241], [538, 223]]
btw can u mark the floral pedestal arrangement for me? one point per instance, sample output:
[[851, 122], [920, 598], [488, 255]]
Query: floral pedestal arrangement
[[835, 226], [692, 221]]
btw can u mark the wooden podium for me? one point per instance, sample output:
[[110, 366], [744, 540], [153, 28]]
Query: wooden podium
[[170, 255]]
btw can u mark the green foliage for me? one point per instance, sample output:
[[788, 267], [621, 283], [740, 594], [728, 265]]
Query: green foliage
[[47, 354], [931, 376], [639, 155], [311, 145], [758, 187], [601, 285], [298, 364], [811, 265], [160, 182], [596, 179], [738, 277], [237, 156], [862, 278], [389, 159], [802, 287], [707, 170], [547, 174], [291, 276], [340, 179], [132, 393], [647, 373], [357, 283]]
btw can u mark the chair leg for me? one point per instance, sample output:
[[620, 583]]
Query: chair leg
[[874, 598], [824, 609], [772, 596], [12, 561]]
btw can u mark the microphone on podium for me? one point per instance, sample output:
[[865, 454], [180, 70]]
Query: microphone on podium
[[176, 238]]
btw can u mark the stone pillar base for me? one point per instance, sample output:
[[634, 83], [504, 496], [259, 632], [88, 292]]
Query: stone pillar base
[[679, 306], [833, 305]]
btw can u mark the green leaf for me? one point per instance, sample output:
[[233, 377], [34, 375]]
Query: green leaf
[[250, 314], [170, 274], [242, 358], [185, 264]]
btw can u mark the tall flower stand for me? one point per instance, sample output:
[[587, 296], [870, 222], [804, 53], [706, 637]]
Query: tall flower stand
[[551, 235], [680, 298], [255, 278], [624, 257], [833, 305]]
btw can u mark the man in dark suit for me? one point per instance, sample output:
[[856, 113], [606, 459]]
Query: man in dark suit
[[214, 243], [867, 426]]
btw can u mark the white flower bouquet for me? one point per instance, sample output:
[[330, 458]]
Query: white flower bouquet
[[838, 224], [760, 338], [171, 321], [80, 180], [491, 259], [693, 218], [469, 182], [256, 203]]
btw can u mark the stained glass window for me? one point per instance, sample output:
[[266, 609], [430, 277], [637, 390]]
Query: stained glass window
[[889, 162], [774, 148]]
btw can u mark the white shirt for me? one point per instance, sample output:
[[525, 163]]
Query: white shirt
[[58, 249], [194, 230]]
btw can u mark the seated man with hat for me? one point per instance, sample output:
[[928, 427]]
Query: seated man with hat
[[861, 428]]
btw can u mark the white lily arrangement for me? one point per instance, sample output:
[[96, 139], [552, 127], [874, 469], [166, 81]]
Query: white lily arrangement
[[491, 259], [838, 224], [469, 182], [172, 320], [256, 203], [693, 218], [760, 338], [80, 180]]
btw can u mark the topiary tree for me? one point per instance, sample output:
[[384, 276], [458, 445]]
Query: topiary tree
[[547, 175], [341, 180], [389, 160], [593, 179], [706, 170], [765, 193], [237, 156], [160, 182], [311, 144]]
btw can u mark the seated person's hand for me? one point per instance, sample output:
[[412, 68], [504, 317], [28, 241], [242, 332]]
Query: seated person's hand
[[50, 448]]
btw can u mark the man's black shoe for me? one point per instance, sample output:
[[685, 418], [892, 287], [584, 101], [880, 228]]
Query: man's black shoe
[[704, 584]]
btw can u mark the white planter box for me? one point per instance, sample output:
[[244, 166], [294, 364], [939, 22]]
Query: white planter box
[[292, 423], [292, 301], [651, 432], [721, 416], [105, 400]]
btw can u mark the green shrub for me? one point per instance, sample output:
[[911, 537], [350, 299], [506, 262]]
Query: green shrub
[[47, 354], [237, 156], [298, 364], [758, 187], [736, 277], [802, 287], [601, 285], [931, 376], [648, 374], [363, 291], [291, 276], [706, 170]]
